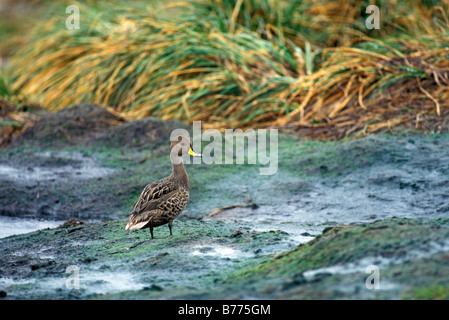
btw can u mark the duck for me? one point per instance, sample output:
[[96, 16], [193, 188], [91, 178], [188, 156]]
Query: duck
[[162, 201]]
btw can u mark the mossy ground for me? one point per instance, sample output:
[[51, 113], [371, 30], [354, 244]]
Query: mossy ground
[[408, 253], [198, 253], [115, 264], [342, 193]]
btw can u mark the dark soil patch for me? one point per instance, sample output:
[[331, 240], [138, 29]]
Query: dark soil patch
[[69, 126], [147, 133], [92, 125]]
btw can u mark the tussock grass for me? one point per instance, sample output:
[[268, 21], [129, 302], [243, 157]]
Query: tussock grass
[[327, 23], [249, 63]]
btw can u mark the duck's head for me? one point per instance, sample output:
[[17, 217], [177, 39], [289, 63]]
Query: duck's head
[[180, 146]]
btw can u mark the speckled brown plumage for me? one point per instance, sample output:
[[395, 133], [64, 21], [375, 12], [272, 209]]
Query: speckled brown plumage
[[162, 201]]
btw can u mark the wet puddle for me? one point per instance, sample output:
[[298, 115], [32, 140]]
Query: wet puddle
[[13, 226], [360, 196], [91, 282], [219, 252], [50, 167], [80, 167]]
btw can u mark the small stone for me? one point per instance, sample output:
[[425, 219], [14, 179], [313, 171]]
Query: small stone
[[72, 222], [154, 287], [237, 233], [306, 234]]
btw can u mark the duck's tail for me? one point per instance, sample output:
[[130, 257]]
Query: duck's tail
[[139, 225]]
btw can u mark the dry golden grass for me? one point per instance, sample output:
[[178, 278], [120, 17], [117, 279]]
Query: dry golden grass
[[228, 75]]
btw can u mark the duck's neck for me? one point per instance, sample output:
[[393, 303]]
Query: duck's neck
[[180, 173]]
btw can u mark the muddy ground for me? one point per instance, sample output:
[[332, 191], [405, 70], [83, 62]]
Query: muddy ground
[[332, 210]]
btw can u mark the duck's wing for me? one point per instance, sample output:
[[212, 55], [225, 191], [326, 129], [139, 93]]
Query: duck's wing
[[152, 196]]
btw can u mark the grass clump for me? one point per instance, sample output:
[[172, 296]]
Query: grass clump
[[239, 63]]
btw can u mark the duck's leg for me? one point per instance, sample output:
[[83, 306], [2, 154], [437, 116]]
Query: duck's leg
[[169, 227], [151, 231]]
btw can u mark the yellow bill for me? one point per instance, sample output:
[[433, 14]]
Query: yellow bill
[[193, 153]]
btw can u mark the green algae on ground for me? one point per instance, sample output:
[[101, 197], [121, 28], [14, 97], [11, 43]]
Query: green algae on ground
[[327, 266], [319, 185], [393, 165], [410, 255], [433, 292], [212, 260], [110, 258]]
